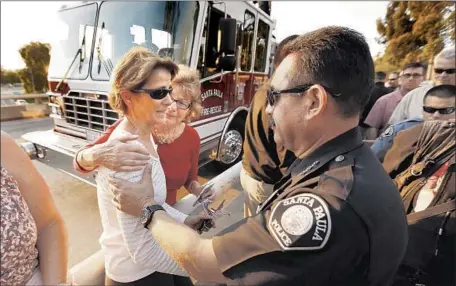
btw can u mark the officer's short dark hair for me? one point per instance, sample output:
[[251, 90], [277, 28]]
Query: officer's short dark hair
[[281, 51], [380, 76], [414, 66], [441, 91], [338, 58]]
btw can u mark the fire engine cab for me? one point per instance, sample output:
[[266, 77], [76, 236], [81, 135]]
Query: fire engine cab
[[230, 43]]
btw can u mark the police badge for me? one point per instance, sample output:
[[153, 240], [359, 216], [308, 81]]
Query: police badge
[[302, 222]]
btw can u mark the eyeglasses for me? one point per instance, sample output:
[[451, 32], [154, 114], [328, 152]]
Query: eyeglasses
[[156, 93], [273, 94], [444, 111], [411, 75], [448, 71], [181, 104], [390, 79]]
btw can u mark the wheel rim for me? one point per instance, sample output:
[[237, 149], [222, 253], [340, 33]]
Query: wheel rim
[[231, 147]]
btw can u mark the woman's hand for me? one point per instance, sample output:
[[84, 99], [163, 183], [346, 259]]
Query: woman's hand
[[203, 193], [118, 155], [196, 221], [208, 194]]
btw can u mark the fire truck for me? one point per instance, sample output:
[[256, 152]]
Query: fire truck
[[230, 43]]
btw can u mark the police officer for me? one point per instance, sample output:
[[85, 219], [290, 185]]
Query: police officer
[[336, 218]]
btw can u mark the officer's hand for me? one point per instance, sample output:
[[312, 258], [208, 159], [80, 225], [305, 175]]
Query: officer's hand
[[132, 198], [118, 155]]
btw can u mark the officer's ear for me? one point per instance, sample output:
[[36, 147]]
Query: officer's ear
[[317, 101]]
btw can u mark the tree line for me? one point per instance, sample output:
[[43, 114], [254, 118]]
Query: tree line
[[414, 31], [33, 77]]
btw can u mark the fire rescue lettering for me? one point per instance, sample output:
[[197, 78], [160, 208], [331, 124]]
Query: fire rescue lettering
[[211, 110], [302, 222]]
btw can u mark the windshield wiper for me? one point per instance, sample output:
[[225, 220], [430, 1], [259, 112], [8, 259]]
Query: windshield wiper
[[101, 60], [81, 53]]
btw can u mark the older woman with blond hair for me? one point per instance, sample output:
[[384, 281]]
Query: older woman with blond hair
[[141, 89], [178, 143]]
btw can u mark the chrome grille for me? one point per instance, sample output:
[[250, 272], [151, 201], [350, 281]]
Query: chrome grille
[[89, 113]]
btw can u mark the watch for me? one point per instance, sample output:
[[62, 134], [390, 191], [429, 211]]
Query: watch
[[148, 213]]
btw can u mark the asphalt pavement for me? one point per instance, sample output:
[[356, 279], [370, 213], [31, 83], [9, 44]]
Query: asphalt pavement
[[17, 128]]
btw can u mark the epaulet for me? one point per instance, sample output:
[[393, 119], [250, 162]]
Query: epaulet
[[338, 179]]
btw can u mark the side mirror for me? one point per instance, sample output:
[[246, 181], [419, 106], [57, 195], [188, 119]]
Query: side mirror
[[228, 38], [227, 63]]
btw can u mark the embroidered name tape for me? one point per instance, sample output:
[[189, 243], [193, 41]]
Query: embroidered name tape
[[302, 222]]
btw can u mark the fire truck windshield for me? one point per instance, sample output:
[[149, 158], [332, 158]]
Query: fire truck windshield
[[75, 31], [166, 28]]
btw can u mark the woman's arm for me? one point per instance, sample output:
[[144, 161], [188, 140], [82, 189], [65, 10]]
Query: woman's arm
[[192, 185], [115, 155], [83, 162], [52, 236]]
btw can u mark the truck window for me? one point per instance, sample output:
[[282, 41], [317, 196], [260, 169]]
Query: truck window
[[75, 25], [248, 31], [261, 46], [166, 28], [210, 43]]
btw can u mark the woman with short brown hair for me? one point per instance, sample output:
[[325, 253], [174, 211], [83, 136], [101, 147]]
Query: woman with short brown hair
[[141, 88]]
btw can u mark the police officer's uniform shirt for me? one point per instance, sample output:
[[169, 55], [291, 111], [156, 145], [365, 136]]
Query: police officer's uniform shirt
[[335, 219]]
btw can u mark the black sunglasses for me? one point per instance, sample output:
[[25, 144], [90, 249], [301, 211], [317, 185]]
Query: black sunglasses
[[272, 94], [448, 71], [445, 111], [156, 93]]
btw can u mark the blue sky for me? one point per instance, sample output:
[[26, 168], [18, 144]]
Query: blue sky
[[23, 22]]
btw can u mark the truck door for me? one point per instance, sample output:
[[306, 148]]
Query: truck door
[[216, 94]]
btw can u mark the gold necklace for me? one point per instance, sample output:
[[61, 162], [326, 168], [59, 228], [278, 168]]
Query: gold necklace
[[165, 139]]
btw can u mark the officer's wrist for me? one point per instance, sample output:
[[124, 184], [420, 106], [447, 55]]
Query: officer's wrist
[[157, 213]]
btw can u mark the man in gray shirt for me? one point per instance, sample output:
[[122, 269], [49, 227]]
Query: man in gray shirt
[[443, 73]]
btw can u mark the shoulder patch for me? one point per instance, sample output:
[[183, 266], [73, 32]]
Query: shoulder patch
[[301, 222], [388, 132]]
